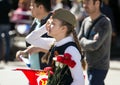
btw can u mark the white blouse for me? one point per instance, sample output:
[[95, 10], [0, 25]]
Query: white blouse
[[76, 71]]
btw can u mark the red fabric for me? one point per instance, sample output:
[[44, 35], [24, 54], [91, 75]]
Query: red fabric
[[66, 59], [32, 76]]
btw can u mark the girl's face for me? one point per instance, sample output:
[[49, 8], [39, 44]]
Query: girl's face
[[54, 27]]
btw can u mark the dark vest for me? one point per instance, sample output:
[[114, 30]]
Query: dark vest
[[62, 76]]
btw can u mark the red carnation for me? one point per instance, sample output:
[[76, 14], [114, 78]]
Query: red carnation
[[65, 59], [49, 69]]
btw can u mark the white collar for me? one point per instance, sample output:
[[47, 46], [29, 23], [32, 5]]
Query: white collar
[[63, 41]]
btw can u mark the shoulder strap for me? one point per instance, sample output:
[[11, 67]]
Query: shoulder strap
[[90, 28]]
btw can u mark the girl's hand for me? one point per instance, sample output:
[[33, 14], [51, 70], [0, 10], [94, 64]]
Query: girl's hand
[[20, 53]]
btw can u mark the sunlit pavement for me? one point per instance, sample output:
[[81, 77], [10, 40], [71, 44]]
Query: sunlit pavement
[[10, 77]]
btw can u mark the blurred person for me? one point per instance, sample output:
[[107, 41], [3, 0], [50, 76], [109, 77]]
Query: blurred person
[[79, 12], [95, 40], [21, 12], [58, 4], [53, 3], [41, 10], [65, 52], [67, 4], [116, 12], [14, 4], [106, 9], [21, 17], [4, 29]]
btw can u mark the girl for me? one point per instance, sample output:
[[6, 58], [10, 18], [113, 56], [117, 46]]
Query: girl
[[66, 50]]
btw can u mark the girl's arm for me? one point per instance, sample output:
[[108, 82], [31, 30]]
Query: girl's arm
[[76, 71], [34, 38]]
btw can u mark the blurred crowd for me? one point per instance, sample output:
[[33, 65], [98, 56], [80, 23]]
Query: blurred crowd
[[15, 16]]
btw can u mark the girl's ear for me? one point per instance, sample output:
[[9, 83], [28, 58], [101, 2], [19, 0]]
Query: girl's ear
[[64, 28]]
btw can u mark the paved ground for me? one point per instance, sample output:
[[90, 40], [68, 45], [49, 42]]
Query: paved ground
[[9, 77]]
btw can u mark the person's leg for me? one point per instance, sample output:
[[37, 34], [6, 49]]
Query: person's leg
[[96, 76], [1, 47], [1, 43], [7, 48], [7, 43]]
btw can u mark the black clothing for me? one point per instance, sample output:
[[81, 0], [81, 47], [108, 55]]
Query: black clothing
[[62, 75]]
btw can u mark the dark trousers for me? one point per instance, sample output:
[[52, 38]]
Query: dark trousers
[[5, 29], [96, 76]]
